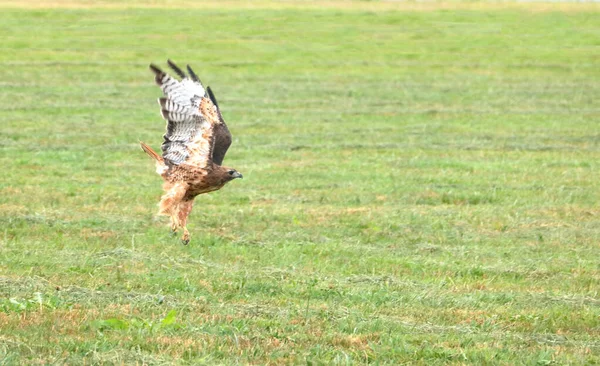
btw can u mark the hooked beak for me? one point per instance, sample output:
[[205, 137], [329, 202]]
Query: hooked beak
[[238, 175]]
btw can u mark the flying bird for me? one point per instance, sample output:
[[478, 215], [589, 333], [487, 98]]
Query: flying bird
[[194, 145]]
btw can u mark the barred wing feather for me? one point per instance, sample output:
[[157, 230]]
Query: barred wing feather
[[190, 122]]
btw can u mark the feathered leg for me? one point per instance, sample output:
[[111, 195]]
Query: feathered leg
[[169, 203], [174, 225], [185, 207]]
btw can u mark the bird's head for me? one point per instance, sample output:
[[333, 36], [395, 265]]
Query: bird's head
[[230, 174]]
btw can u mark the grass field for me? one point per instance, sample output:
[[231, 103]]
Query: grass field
[[421, 185]]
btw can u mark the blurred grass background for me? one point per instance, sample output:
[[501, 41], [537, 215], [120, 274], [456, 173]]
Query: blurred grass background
[[420, 184]]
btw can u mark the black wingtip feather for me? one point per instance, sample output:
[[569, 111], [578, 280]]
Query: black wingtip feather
[[193, 74], [165, 114], [212, 96], [162, 102], [158, 74], [155, 69], [176, 69]]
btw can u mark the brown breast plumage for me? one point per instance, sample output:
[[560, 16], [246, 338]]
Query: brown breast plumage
[[198, 180]]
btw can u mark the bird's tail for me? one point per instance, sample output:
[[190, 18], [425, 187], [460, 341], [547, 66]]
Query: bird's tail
[[151, 153], [161, 167]]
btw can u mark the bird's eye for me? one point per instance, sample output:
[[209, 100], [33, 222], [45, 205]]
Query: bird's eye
[[231, 172]]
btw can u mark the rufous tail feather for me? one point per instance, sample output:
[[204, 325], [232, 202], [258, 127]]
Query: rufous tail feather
[[151, 153]]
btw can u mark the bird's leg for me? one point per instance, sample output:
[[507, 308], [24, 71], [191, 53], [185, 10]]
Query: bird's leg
[[185, 207], [174, 225], [169, 203], [185, 238]]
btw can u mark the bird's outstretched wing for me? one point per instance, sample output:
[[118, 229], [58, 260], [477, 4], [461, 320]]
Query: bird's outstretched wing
[[222, 136], [195, 127]]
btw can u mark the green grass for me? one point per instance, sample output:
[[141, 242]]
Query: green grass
[[420, 187]]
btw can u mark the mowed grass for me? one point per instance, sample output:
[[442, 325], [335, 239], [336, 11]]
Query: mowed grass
[[419, 187]]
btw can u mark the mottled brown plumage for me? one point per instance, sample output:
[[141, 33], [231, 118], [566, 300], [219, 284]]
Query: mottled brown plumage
[[194, 145]]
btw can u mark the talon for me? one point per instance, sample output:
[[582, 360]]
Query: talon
[[185, 239]]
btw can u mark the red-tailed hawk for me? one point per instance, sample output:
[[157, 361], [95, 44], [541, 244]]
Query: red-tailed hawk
[[194, 146]]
